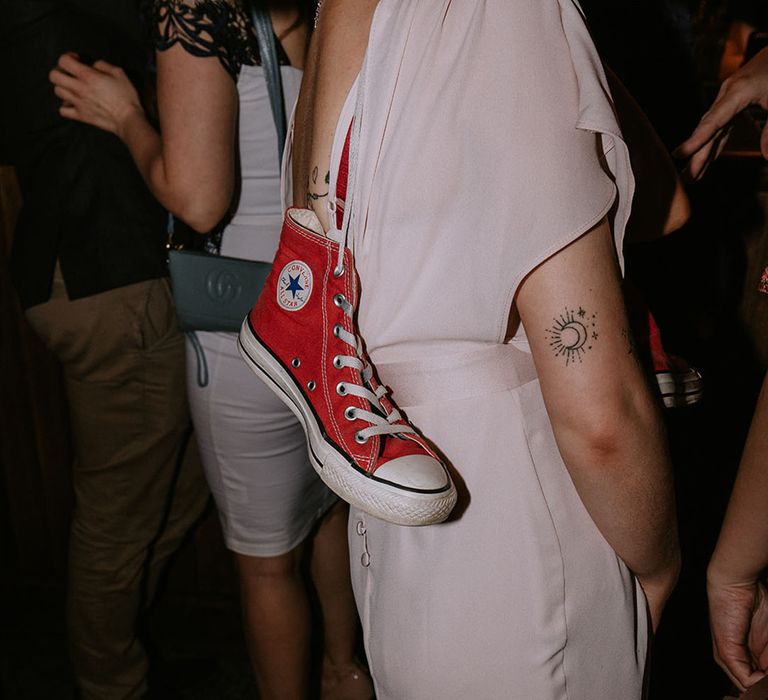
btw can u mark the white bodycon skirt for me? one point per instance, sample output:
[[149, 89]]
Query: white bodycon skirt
[[254, 453]]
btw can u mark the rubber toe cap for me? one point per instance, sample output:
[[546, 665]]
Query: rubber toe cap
[[420, 472]]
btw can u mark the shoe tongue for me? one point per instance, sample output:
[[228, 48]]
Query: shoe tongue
[[386, 404], [394, 446], [377, 408]]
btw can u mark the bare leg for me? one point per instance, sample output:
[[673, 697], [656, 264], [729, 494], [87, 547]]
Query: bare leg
[[343, 677], [276, 617]]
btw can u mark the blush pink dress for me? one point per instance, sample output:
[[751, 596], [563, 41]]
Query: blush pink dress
[[487, 143]]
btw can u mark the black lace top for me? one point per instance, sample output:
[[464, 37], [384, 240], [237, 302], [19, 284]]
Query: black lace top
[[220, 28]]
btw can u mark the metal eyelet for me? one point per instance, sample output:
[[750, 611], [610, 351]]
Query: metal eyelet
[[339, 299], [341, 389], [311, 384], [337, 362], [350, 413], [359, 439], [336, 330], [338, 271], [295, 362]]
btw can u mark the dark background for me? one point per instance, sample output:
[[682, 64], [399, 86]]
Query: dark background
[[701, 284]]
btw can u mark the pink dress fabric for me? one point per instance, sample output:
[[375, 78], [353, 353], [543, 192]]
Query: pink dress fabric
[[488, 142]]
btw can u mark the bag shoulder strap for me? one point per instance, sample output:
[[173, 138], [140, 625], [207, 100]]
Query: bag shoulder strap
[[262, 24]]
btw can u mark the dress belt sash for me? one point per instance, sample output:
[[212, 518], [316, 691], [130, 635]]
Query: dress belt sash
[[487, 370]]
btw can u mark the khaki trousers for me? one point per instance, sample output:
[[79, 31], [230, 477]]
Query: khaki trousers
[[137, 477]]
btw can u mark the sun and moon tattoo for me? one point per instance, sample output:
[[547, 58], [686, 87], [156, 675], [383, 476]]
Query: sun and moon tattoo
[[572, 334]]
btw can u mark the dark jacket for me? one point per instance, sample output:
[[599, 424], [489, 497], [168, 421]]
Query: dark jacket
[[84, 202]]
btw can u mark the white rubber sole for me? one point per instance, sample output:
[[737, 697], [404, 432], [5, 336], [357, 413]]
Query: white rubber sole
[[680, 389], [401, 506]]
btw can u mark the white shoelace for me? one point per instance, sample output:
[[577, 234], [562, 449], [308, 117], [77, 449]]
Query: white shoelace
[[382, 423], [342, 236]]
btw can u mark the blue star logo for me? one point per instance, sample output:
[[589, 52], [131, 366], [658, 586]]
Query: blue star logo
[[294, 286]]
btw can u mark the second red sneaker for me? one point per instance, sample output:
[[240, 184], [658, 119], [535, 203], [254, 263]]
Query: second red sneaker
[[301, 339], [679, 383]]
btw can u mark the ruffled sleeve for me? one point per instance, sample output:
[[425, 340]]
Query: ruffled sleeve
[[205, 28], [489, 143]]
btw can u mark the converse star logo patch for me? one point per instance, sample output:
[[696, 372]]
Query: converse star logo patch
[[294, 286]]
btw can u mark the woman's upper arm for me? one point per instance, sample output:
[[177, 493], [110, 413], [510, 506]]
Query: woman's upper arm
[[197, 102], [572, 309], [197, 105], [605, 421]]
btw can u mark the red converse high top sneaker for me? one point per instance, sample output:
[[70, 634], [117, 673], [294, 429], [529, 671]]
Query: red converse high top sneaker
[[301, 338], [680, 384]]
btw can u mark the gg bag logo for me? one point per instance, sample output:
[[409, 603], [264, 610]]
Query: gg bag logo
[[222, 286]]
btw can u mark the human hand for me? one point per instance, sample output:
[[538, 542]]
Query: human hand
[[100, 95], [738, 615], [747, 86]]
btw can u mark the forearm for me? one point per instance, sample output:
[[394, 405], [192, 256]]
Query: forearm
[[741, 553], [623, 477], [146, 149], [605, 420], [178, 191], [335, 56]]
